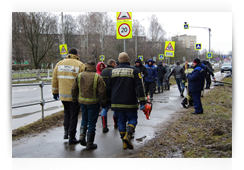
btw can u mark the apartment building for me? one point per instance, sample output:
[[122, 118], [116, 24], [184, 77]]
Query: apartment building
[[188, 41]]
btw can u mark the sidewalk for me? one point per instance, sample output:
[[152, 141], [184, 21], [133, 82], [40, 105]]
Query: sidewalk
[[50, 144]]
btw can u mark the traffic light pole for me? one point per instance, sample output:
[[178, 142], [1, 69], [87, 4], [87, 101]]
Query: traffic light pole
[[209, 35], [209, 29]]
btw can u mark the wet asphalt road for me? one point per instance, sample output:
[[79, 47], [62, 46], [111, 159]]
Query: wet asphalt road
[[31, 94], [50, 144]]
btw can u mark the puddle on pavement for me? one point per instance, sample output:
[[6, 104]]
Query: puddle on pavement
[[165, 99], [28, 114], [143, 139]]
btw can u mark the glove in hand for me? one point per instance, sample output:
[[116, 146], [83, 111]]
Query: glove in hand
[[56, 96], [142, 107]]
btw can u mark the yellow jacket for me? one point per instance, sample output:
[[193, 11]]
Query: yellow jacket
[[89, 87], [64, 74]]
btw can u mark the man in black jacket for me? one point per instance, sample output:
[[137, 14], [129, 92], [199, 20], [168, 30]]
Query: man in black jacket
[[141, 68], [161, 72], [105, 75], [126, 89], [208, 71], [178, 72]]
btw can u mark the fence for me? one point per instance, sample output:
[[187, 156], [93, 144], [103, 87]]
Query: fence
[[31, 74], [42, 102]]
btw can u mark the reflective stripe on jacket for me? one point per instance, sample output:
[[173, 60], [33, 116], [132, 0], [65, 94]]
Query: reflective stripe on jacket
[[89, 87], [64, 74], [126, 88]]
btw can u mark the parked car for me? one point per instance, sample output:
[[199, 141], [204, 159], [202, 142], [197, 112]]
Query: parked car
[[216, 65], [226, 67]]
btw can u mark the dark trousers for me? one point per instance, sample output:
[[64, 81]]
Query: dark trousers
[[71, 111], [160, 83], [129, 117], [208, 80], [180, 85], [197, 102], [149, 88], [89, 116]]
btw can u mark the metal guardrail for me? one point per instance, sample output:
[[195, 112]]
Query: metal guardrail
[[42, 102], [28, 74]]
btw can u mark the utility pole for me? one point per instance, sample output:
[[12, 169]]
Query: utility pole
[[62, 28], [124, 45], [101, 43], [136, 45], [63, 55], [209, 40]]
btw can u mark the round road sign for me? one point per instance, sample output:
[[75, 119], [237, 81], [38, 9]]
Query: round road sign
[[124, 30]]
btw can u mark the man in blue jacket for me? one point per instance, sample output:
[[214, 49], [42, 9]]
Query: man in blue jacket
[[152, 76], [196, 82]]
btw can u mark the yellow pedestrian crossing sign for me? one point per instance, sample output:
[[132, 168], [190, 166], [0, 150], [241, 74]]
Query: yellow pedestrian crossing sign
[[63, 49], [160, 56], [209, 55], [140, 57], [102, 57], [169, 49], [186, 26], [198, 46]]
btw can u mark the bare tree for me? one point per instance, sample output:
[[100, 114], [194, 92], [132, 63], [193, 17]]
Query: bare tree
[[17, 47], [156, 31], [70, 30], [95, 30], [38, 32], [156, 35]]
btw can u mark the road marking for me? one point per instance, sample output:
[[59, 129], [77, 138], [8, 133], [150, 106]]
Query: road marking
[[24, 90]]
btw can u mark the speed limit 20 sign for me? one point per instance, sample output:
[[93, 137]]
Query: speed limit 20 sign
[[124, 30]]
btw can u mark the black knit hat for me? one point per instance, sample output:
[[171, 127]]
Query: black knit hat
[[197, 61], [138, 61]]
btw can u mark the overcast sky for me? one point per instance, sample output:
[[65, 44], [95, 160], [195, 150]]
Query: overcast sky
[[172, 22]]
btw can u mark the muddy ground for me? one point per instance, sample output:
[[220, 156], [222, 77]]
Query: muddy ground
[[207, 135]]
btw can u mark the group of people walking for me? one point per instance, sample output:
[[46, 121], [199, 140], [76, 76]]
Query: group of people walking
[[89, 86], [118, 86]]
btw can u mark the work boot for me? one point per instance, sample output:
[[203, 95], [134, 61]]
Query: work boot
[[184, 102], [104, 123], [181, 93], [165, 87], [122, 135], [128, 135], [158, 91], [115, 122], [82, 138], [73, 140], [90, 140], [66, 133], [151, 97], [168, 87]]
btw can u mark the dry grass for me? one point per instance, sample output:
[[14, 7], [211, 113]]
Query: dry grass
[[208, 135]]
